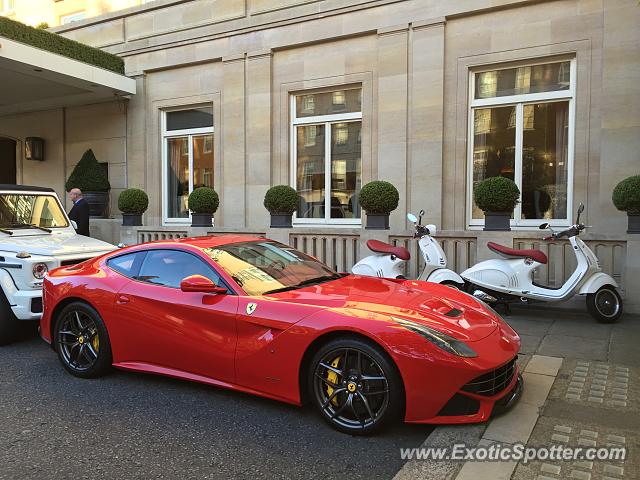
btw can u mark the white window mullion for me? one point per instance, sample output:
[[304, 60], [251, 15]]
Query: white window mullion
[[327, 172], [190, 146], [517, 213]]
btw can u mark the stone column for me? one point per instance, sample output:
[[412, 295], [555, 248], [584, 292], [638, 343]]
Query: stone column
[[137, 163], [426, 97], [392, 115], [233, 130], [258, 145], [631, 275]]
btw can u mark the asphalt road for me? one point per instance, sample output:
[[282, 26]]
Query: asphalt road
[[129, 425]]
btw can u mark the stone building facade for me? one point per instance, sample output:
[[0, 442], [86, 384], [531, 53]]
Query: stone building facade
[[327, 95]]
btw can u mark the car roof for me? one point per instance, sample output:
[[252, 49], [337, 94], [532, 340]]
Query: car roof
[[205, 242], [24, 188]]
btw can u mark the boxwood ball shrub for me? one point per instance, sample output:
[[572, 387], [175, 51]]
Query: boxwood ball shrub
[[133, 200], [379, 197], [203, 200], [496, 194], [281, 199], [88, 175], [626, 195]]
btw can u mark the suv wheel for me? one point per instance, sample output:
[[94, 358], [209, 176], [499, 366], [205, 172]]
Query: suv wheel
[[9, 324]]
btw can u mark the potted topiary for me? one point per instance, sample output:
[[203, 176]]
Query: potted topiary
[[203, 203], [378, 199], [626, 197], [496, 197], [92, 180], [281, 201], [132, 202]]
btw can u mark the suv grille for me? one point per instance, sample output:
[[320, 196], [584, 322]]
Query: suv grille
[[72, 261], [493, 382]]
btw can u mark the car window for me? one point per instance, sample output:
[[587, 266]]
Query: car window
[[169, 267], [127, 264]]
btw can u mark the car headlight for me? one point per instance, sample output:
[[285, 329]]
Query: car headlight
[[40, 270], [439, 339]]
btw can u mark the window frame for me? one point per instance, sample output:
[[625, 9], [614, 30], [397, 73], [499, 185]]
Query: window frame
[[519, 101], [327, 121], [189, 133]]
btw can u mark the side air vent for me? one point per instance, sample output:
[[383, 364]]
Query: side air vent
[[454, 312]]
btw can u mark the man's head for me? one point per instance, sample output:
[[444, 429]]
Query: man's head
[[75, 194]]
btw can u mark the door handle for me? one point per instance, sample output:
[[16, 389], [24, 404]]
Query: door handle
[[122, 299]]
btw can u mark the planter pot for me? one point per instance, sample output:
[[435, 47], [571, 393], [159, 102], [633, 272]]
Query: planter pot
[[98, 204], [634, 223], [281, 220], [497, 221], [131, 219], [377, 221], [201, 219]]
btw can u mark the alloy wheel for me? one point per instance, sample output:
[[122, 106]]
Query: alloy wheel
[[78, 340], [607, 302], [351, 388]]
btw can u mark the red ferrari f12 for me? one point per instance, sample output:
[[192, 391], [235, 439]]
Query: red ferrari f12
[[254, 315]]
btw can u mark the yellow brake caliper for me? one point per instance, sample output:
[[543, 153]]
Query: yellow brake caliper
[[333, 378], [95, 342]]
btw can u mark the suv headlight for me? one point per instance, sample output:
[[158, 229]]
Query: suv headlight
[[40, 270], [439, 339]]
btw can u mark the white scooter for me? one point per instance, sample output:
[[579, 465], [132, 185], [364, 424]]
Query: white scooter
[[511, 279], [388, 260]]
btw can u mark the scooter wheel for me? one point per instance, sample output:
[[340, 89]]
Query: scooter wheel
[[605, 305]]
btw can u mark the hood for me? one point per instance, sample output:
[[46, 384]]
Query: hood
[[430, 304], [54, 244]]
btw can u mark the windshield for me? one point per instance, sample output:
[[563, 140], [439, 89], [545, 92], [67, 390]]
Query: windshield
[[20, 210], [263, 266]]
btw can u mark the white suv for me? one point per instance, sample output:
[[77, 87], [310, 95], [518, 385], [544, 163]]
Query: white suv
[[35, 236]]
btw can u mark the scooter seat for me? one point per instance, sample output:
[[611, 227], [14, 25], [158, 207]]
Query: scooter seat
[[536, 255], [381, 247]]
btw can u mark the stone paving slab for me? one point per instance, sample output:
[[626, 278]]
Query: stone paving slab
[[559, 431], [603, 385]]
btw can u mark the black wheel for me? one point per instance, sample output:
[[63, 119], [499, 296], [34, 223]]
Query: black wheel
[[82, 342], [605, 305], [9, 324], [355, 387]]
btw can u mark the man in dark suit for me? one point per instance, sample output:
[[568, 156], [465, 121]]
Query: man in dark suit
[[79, 212]]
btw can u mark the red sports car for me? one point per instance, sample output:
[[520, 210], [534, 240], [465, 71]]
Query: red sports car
[[255, 315]]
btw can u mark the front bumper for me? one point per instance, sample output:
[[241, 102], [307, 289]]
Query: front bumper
[[27, 304]]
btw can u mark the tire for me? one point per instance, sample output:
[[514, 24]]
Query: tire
[[81, 341], [9, 324], [605, 305], [365, 398]]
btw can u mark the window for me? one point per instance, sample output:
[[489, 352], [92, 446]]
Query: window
[[262, 267], [169, 267], [521, 127], [326, 152], [188, 157], [72, 17], [128, 264], [7, 6]]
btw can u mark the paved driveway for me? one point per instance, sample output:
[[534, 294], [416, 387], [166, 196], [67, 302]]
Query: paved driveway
[[129, 425]]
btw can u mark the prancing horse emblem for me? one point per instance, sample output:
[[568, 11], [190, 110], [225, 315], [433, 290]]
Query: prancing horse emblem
[[251, 307]]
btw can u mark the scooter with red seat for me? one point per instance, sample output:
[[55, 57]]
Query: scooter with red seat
[[510, 278], [388, 260]]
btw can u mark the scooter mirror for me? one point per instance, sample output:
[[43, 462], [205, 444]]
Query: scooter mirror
[[580, 210], [421, 212], [412, 218], [544, 226]]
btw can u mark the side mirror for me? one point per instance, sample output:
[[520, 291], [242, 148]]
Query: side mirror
[[544, 226], [201, 284], [411, 217]]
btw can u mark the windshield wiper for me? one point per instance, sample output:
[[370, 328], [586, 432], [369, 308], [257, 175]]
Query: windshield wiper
[[30, 225], [4, 230], [309, 281]]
